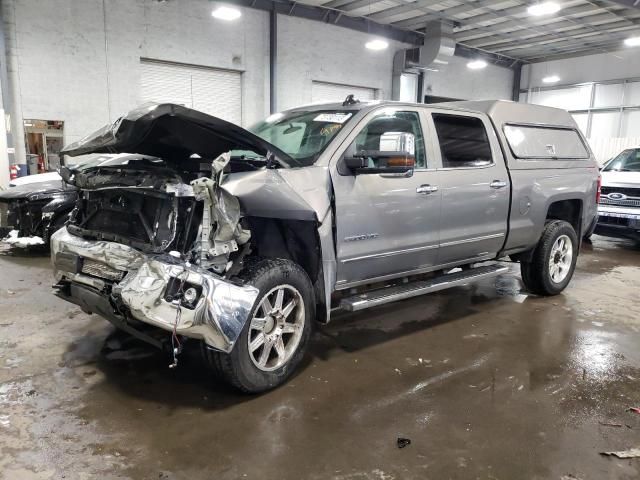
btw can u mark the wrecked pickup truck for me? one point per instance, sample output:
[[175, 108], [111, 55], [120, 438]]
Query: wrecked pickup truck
[[243, 239]]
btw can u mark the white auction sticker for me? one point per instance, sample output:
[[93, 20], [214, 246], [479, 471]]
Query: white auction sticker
[[332, 117]]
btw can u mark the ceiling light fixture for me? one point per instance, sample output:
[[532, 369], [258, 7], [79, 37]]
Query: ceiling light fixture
[[476, 64], [551, 79], [223, 12], [544, 8], [632, 41], [376, 44]]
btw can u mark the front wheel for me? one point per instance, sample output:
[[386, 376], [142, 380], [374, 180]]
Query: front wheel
[[554, 260], [274, 339]]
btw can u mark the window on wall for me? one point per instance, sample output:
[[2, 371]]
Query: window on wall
[[601, 110], [463, 141]]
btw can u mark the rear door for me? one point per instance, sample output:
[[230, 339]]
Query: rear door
[[387, 224], [475, 187]]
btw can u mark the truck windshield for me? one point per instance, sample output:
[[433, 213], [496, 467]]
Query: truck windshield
[[627, 161], [303, 135]]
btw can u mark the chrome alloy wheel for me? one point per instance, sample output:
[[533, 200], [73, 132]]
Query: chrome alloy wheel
[[276, 328], [560, 259]]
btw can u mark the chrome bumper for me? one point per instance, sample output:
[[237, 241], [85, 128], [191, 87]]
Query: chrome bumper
[[217, 317]]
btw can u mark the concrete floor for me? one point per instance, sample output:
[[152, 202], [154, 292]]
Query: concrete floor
[[486, 381]]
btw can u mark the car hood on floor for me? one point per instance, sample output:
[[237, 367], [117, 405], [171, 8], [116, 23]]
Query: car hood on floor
[[49, 187], [174, 133]]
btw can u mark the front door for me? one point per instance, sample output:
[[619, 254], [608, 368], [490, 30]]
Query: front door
[[386, 224], [475, 188]]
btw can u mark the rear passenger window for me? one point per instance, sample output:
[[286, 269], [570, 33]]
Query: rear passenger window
[[545, 142], [463, 141]]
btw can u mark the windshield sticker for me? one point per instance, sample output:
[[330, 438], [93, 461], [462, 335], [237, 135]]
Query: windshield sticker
[[332, 117], [330, 129]]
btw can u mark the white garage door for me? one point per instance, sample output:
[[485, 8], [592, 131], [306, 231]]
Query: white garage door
[[322, 92], [216, 92]]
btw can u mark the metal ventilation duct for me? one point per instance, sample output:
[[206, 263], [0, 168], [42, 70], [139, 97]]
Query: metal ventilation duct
[[439, 46]]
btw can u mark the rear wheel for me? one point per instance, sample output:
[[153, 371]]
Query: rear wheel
[[274, 339], [553, 261]]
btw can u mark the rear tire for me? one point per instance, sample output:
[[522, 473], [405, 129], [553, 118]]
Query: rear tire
[[274, 339], [553, 261]]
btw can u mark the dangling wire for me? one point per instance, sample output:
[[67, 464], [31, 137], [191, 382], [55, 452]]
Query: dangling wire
[[176, 345]]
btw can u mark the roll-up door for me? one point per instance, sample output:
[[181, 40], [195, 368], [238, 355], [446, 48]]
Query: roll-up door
[[212, 91]]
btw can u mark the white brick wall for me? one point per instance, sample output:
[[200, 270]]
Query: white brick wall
[[455, 80], [591, 68], [63, 61], [71, 69], [309, 50]]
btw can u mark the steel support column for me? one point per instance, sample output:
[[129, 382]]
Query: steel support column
[[273, 60]]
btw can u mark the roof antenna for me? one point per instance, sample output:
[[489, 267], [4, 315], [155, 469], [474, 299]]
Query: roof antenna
[[350, 100]]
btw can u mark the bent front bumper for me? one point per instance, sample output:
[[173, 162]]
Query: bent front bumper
[[144, 291]]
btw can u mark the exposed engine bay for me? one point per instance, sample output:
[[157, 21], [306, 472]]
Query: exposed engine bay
[[142, 243], [158, 210]]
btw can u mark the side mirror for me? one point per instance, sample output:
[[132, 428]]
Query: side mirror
[[395, 155], [368, 162]]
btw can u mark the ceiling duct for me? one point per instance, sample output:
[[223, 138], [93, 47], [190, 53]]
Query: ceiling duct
[[439, 46]]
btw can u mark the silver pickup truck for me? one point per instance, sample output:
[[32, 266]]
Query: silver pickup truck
[[242, 239]]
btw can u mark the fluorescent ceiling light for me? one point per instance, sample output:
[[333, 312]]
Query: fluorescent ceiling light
[[632, 42], [476, 64], [551, 79], [223, 12], [376, 44], [544, 8]]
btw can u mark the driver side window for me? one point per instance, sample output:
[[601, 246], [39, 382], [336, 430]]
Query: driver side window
[[376, 135]]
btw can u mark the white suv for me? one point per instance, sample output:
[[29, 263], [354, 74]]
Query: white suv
[[619, 209]]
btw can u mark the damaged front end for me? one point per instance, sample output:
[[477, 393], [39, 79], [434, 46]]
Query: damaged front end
[[156, 242], [131, 253]]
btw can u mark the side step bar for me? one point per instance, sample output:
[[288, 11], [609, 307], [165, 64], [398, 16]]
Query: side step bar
[[381, 296]]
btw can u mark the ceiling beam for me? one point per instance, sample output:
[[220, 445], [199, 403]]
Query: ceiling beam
[[334, 17], [628, 3], [492, 41], [541, 41], [566, 46], [577, 52], [400, 9], [471, 23]]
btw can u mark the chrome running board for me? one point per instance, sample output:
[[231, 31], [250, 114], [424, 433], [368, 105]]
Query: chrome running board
[[381, 296]]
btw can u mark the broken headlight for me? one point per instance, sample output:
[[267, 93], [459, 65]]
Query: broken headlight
[[188, 294]]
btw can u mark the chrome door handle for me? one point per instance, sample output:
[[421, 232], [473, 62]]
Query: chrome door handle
[[498, 184], [426, 189]]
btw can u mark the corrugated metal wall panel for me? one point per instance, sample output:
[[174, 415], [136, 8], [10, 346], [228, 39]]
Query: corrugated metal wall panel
[[607, 148], [212, 91], [322, 92]]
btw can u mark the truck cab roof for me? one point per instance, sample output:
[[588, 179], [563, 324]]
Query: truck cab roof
[[500, 111]]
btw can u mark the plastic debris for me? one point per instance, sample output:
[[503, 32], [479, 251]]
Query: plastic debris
[[609, 424], [14, 240], [631, 453], [634, 409], [403, 442]]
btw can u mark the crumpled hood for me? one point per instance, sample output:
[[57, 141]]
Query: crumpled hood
[[50, 187], [621, 179], [173, 132]]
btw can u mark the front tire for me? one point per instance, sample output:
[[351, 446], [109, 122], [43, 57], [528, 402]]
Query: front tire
[[274, 339], [554, 260]]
